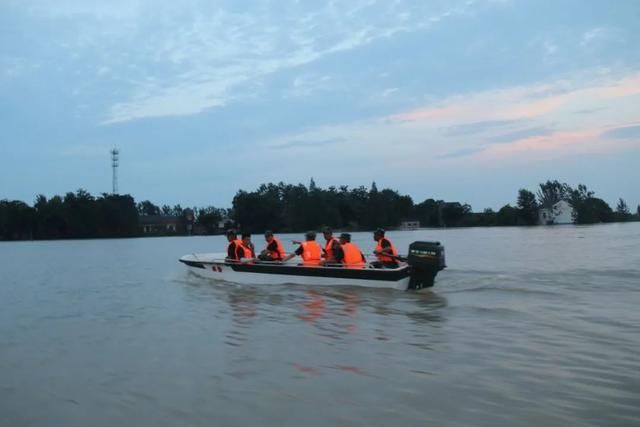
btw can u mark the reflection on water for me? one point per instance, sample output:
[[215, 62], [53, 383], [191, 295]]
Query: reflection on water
[[328, 319], [314, 308], [329, 309], [527, 327]]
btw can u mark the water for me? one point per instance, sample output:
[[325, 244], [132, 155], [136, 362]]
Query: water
[[527, 326]]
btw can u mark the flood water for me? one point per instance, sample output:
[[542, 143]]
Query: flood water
[[527, 327]]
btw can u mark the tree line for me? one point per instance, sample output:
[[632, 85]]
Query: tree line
[[80, 215], [288, 208]]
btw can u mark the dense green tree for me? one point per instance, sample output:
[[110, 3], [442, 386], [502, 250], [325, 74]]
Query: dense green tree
[[551, 192], [622, 211], [81, 214], [51, 221], [507, 215], [177, 210], [77, 215], [295, 208], [488, 217], [209, 217], [428, 212], [588, 209], [146, 208], [166, 210], [258, 211], [527, 207], [452, 214], [118, 216], [16, 220]]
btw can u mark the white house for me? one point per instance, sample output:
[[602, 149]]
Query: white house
[[560, 213]]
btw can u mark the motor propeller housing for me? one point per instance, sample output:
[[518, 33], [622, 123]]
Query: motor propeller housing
[[426, 260]]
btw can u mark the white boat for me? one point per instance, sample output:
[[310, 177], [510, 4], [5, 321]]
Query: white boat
[[416, 271]]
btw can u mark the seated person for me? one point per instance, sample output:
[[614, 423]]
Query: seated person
[[309, 250], [274, 250], [332, 250], [232, 247], [352, 255], [385, 251], [245, 249]]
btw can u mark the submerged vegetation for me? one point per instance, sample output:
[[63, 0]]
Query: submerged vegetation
[[285, 207]]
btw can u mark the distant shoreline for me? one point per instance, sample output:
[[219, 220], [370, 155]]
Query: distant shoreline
[[287, 208]]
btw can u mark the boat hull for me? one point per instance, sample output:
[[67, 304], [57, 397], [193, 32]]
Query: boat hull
[[251, 273]]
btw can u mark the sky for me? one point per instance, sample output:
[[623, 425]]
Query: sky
[[458, 100]]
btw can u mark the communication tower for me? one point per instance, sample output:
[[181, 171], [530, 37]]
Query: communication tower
[[115, 158]]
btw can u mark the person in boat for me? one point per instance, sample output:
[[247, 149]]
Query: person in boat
[[385, 251], [352, 256], [245, 249], [309, 250], [274, 250], [332, 248], [234, 244]]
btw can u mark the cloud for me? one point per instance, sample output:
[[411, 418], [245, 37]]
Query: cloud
[[478, 127], [520, 123], [463, 152], [526, 102], [562, 144], [306, 144], [522, 134], [556, 142], [116, 10], [308, 85], [221, 55], [431, 114], [494, 128], [589, 110], [597, 37], [624, 132], [388, 92]]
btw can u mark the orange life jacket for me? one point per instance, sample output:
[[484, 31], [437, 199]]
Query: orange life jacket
[[328, 248], [246, 251], [279, 253], [238, 244], [386, 258], [352, 256], [311, 252]]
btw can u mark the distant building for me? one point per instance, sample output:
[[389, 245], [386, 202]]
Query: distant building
[[189, 219], [163, 225], [409, 224], [560, 213], [159, 224]]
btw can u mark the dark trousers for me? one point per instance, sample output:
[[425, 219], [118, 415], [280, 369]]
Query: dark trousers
[[380, 264]]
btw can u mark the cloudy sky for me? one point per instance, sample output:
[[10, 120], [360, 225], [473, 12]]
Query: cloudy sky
[[456, 100]]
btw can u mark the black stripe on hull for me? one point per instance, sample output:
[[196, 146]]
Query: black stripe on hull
[[332, 272], [192, 263]]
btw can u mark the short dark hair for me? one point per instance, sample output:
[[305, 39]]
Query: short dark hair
[[268, 233], [327, 230], [231, 232], [310, 235], [246, 235], [346, 236], [379, 231]]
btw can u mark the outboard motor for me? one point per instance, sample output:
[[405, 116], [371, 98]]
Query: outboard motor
[[425, 259]]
